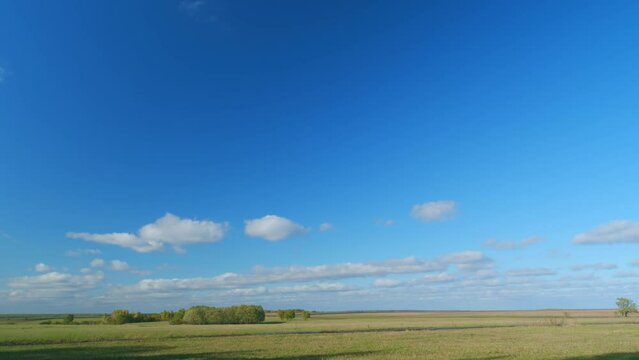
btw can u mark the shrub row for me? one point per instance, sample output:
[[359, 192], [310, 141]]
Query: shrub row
[[242, 314]]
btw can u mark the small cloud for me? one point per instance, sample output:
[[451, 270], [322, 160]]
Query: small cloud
[[635, 263], [385, 222], [191, 7], [85, 270], [326, 227], [595, 266], [434, 210], [42, 267], [531, 272], [272, 228], [614, 232], [80, 252], [97, 263], [511, 244], [119, 265]]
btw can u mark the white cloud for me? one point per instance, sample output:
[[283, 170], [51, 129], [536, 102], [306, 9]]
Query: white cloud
[[52, 285], [326, 227], [42, 267], [512, 244], [385, 222], [169, 229], [97, 263], [635, 263], [617, 231], [430, 279], [296, 289], [119, 265], [386, 282], [261, 275], [434, 210], [272, 228], [595, 266], [191, 6], [80, 252], [531, 272]]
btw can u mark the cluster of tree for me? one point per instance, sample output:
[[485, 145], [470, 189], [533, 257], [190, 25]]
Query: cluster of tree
[[119, 317], [286, 315], [626, 306], [202, 315]]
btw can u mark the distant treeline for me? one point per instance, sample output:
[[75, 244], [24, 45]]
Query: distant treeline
[[196, 315]]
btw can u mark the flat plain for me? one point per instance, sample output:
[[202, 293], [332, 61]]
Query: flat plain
[[556, 334]]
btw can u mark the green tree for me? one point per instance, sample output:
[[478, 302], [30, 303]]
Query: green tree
[[306, 315], [626, 306], [178, 317], [286, 315], [68, 319]]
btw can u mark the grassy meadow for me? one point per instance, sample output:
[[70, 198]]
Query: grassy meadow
[[570, 335]]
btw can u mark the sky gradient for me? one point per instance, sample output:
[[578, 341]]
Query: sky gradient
[[328, 155]]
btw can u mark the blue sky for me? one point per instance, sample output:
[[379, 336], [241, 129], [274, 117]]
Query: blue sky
[[391, 155]]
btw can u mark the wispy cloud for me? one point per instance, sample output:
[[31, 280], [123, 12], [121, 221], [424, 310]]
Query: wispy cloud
[[261, 275], [191, 7], [512, 244], [326, 227], [434, 210], [273, 228], [617, 231], [169, 229], [531, 272], [595, 266], [80, 252]]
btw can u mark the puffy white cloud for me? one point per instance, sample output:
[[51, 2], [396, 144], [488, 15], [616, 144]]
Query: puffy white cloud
[[326, 227], [272, 228], [169, 229], [434, 210], [97, 262], [80, 252], [119, 265], [531, 272], [595, 266], [618, 231], [42, 267], [512, 244]]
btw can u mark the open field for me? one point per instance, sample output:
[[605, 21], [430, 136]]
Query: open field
[[571, 335]]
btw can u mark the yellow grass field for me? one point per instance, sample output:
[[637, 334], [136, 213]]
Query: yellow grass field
[[570, 335]]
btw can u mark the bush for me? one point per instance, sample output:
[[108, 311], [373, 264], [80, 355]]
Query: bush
[[46, 322], [286, 315], [119, 317], [177, 317], [68, 319], [306, 315], [242, 314]]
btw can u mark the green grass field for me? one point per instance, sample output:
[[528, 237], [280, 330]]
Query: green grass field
[[573, 335]]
